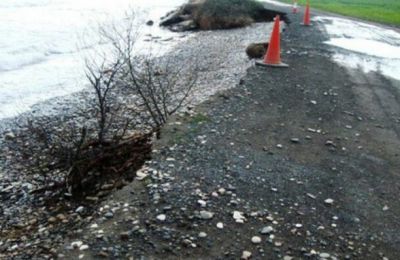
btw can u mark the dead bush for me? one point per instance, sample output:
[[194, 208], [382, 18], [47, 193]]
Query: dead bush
[[130, 98]]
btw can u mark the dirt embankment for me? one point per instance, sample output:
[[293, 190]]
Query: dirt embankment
[[294, 163]]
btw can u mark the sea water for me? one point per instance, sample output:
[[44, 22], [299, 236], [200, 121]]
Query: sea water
[[41, 52]]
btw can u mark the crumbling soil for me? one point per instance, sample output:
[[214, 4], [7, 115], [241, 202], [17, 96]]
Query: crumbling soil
[[191, 17]]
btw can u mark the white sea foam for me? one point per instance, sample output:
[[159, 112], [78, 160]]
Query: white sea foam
[[39, 57]]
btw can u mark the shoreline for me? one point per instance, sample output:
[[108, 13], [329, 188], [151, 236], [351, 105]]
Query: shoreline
[[222, 63]]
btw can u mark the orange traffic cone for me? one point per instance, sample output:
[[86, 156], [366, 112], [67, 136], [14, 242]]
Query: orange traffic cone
[[306, 20], [273, 56], [294, 10]]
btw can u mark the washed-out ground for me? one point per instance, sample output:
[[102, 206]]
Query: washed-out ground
[[290, 164], [307, 158], [34, 224]]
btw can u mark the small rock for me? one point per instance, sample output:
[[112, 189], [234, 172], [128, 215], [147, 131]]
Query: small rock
[[9, 136], [385, 208], [79, 209], [220, 225], [52, 220], [324, 255], [83, 247], [141, 175], [150, 22], [330, 143], [103, 254], [7, 189], [109, 215], [246, 255], [238, 217], [202, 234], [61, 217], [124, 235], [311, 196], [295, 140], [161, 217], [94, 199], [107, 186], [202, 203], [76, 244], [206, 214], [93, 226], [329, 201], [266, 230], [256, 240]]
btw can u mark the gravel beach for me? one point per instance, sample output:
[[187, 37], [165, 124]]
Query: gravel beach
[[222, 62]]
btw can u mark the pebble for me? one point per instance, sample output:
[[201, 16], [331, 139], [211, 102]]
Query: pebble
[[246, 255], [202, 203], [141, 175], [238, 217], [311, 196], [162, 217], [109, 215], [93, 226], [76, 244], [61, 217], [295, 140], [79, 209], [329, 201], [206, 214], [124, 235], [220, 225], [266, 230], [202, 234], [52, 220], [256, 240], [83, 247], [324, 255], [9, 136]]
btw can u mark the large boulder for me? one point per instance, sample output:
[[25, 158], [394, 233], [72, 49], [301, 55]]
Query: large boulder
[[183, 26], [257, 50], [171, 18]]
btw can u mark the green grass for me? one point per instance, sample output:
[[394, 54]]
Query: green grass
[[383, 11]]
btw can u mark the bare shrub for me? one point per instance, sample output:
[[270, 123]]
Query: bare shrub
[[130, 97], [161, 84]]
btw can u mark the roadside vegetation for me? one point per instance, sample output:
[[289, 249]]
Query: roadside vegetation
[[383, 11]]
